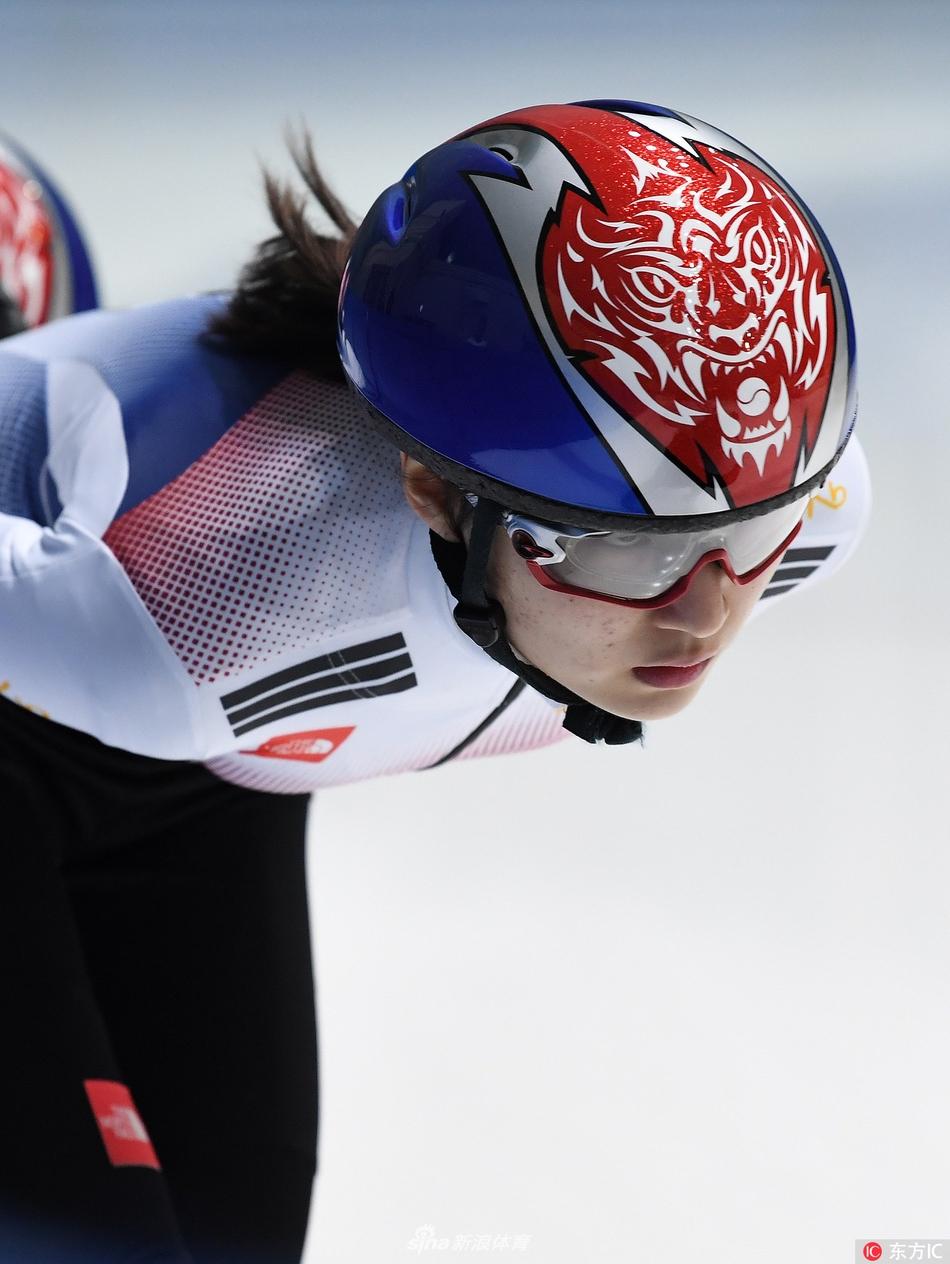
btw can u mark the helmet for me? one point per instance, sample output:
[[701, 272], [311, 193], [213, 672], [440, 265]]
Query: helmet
[[601, 312], [607, 315], [45, 271]]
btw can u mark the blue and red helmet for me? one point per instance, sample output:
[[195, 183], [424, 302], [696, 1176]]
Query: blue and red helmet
[[45, 270], [603, 313]]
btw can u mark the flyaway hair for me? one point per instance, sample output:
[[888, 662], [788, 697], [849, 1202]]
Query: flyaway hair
[[285, 301]]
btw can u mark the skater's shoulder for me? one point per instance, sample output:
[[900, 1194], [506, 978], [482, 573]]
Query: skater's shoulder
[[93, 333], [158, 360], [160, 346]]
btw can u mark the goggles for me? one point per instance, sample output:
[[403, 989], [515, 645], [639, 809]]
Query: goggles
[[645, 568]]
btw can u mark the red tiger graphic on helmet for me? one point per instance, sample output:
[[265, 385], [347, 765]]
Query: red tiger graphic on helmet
[[693, 294]]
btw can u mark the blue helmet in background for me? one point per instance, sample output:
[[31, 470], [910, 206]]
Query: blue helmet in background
[[45, 270]]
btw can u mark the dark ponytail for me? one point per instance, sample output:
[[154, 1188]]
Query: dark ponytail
[[286, 296]]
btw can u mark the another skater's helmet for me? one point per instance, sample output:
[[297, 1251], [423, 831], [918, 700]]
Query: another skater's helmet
[[604, 314], [45, 271]]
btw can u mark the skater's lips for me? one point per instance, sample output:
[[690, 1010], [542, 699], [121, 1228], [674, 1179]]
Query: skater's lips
[[671, 676]]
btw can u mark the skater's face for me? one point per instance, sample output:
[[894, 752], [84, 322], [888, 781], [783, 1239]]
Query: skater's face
[[594, 648]]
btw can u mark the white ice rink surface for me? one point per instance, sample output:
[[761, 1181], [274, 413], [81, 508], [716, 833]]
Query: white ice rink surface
[[679, 1003]]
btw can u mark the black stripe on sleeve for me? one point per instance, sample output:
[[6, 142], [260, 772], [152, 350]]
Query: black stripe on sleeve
[[813, 553], [774, 589], [325, 662], [315, 686], [792, 572], [307, 704]]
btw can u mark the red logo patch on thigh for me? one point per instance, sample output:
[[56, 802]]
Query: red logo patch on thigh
[[120, 1125]]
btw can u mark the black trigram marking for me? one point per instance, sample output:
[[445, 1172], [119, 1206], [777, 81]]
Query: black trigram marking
[[796, 565], [369, 670]]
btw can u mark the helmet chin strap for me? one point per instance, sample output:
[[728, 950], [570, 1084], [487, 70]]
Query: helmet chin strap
[[483, 619]]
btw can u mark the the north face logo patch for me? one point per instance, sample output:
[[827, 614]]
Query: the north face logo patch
[[313, 746], [120, 1125]]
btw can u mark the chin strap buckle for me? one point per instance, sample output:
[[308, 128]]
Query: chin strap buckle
[[484, 624]]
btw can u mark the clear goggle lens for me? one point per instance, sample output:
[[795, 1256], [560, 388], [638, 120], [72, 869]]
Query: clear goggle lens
[[649, 567]]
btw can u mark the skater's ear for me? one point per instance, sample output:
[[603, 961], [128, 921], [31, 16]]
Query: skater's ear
[[440, 504]]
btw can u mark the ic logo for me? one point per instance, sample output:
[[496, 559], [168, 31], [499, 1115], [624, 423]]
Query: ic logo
[[873, 1250]]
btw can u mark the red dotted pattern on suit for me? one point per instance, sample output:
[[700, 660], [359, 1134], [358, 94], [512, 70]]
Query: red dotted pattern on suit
[[278, 529], [529, 723]]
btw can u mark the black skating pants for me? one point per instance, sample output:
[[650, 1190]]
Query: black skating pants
[[154, 942]]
